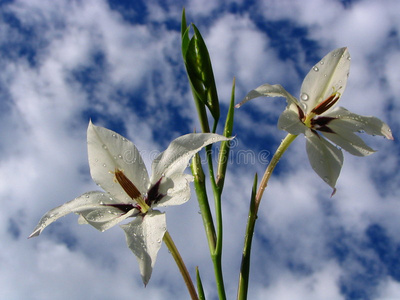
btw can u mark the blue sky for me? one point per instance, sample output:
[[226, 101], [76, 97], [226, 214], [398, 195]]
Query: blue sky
[[119, 63]]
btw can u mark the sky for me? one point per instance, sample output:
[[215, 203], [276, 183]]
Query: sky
[[119, 64]]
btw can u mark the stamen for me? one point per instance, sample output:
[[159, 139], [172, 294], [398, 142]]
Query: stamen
[[326, 104], [127, 185]]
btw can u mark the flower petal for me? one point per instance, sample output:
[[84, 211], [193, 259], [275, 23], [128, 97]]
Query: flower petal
[[268, 90], [325, 159], [109, 151], [354, 122], [175, 159], [87, 201], [144, 237], [290, 122], [348, 140], [176, 189], [326, 77]]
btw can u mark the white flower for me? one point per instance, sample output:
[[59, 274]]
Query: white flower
[[117, 167], [316, 113]]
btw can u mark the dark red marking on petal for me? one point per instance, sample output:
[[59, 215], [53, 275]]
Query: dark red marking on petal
[[153, 195]]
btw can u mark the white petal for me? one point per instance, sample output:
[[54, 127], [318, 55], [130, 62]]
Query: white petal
[[104, 217], [325, 159], [85, 202], [268, 90], [175, 159], [354, 122], [176, 193], [327, 76], [144, 237], [348, 141], [290, 122], [109, 151]]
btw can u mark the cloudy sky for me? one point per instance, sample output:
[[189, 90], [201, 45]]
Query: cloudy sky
[[118, 62]]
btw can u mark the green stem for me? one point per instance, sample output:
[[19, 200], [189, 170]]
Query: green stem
[[216, 253], [251, 221], [181, 265], [268, 172]]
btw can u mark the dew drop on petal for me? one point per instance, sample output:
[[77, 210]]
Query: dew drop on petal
[[114, 135], [316, 69], [304, 97], [321, 62], [104, 165], [105, 147]]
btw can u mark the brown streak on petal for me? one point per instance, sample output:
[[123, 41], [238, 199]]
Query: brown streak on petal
[[127, 185]]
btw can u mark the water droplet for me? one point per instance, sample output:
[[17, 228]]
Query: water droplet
[[114, 135], [105, 147], [158, 240], [316, 69], [104, 165], [304, 97], [120, 156], [321, 62], [124, 139]]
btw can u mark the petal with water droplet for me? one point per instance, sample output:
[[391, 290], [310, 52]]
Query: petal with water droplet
[[319, 87], [103, 161], [142, 237], [87, 201]]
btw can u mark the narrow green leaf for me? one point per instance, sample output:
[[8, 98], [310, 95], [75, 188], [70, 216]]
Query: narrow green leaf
[[225, 145], [200, 290], [245, 265]]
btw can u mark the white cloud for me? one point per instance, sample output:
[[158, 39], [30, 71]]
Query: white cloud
[[319, 285]]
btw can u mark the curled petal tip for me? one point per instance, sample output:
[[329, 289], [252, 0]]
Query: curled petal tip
[[239, 105], [333, 192]]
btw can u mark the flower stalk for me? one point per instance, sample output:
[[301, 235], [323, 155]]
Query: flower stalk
[[181, 265], [252, 217]]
